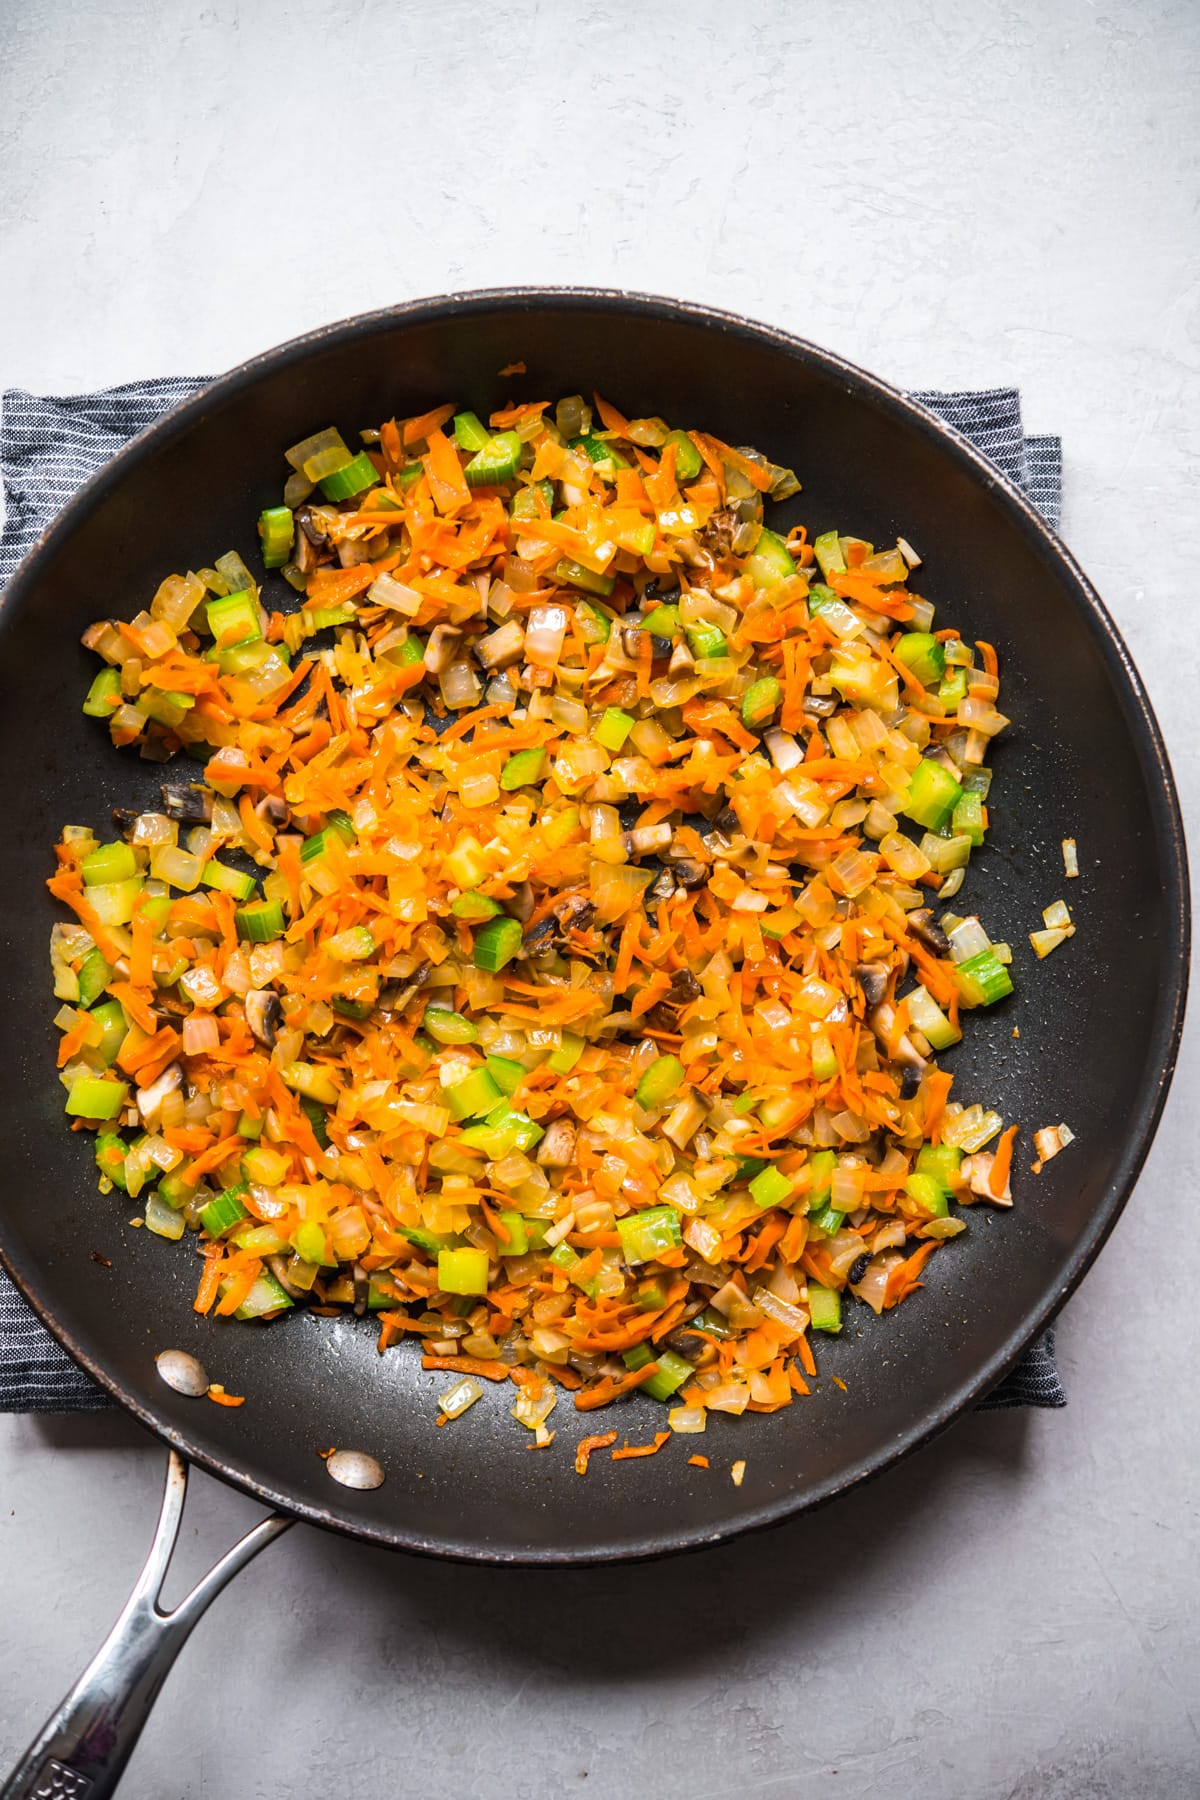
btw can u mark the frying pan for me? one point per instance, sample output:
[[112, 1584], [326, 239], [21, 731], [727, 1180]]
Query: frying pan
[[1099, 1023]]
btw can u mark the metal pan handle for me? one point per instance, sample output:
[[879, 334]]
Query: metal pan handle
[[81, 1752]]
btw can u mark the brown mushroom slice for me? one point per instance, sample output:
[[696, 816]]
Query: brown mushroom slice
[[926, 929], [873, 979], [264, 1014], [557, 1148], [441, 648]]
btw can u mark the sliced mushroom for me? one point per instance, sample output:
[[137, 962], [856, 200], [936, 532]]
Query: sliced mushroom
[[662, 589], [439, 651], [307, 556], [663, 886], [573, 912], [882, 1020], [278, 1266], [150, 1099], [925, 927], [273, 809], [631, 639], [689, 873], [557, 1148], [682, 661], [191, 805], [395, 999], [312, 526], [683, 990], [264, 1014], [717, 535], [872, 978], [521, 904]]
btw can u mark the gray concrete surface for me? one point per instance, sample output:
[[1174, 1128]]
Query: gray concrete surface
[[951, 194]]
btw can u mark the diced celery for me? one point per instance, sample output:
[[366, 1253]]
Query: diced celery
[[475, 908], [473, 1097], [688, 460], [94, 976], [260, 922], [771, 1187], [505, 1072], [221, 1214], [114, 1027], [706, 641], [933, 793], [983, 979], [518, 1235], [922, 654], [463, 1271], [104, 696], [760, 701], [647, 1234], [824, 1308], [234, 619], [110, 1157], [673, 1370], [230, 881], [563, 1060], [470, 433], [352, 478], [447, 1027], [265, 1298], [770, 561], [496, 461], [661, 1080], [929, 1193], [108, 863], [276, 529], [496, 943], [574, 574], [94, 1097], [524, 767], [613, 728]]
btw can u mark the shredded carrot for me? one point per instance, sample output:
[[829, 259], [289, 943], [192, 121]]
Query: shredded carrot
[[1002, 1161], [414, 430], [630, 1450], [588, 1446], [468, 1365], [696, 1462], [217, 1393], [588, 1399]]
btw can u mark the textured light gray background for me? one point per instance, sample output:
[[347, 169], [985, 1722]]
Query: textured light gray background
[[952, 194]]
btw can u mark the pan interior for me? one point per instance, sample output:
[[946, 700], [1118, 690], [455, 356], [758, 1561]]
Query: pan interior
[[1098, 1023]]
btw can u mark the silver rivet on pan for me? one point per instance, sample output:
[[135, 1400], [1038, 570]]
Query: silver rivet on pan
[[182, 1372], [354, 1469]]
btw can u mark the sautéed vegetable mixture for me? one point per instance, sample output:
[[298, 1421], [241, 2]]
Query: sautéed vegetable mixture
[[549, 945]]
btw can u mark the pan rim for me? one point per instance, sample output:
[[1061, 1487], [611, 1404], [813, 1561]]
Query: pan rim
[[1166, 820]]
